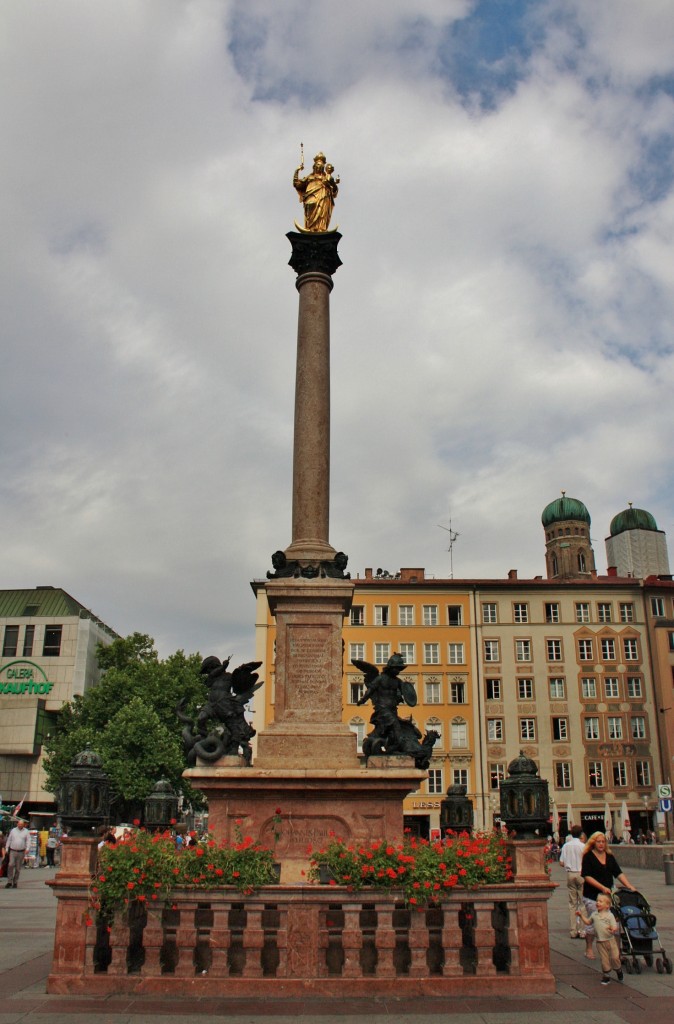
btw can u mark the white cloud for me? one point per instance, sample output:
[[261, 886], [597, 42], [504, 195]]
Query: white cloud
[[501, 326]]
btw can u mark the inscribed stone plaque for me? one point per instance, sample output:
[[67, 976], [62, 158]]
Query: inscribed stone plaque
[[309, 681]]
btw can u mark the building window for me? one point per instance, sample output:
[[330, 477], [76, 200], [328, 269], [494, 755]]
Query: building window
[[52, 641], [493, 689], [459, 734], [588, 688], [408, 654], [585, 650], [595, 774], [670, 637], [433, 691], [460, 777], [457, 693], [554, 650], [455, 615], [604, 611], [28, 639], [551, 612], [615, 727], [523, 650], [11, 642], [591, 728], [356, 691], [631, 650], [489, 613], [527, 729], [619, 773], [612, 688], [521, 612], [435, 784], [356, 652], [405, 615], [491, 650], [431, 654], [608, 649], [563, 775], [382, 653], [495, 730], [657, 606], [582, 611], [560, 729], [643, 773], [627, 612], [557, 688], [381, 615], [357, 615], [525, 689], [638, 727], [456, 654], [634, 689], [497, 773], [357, 725], [430, 615]]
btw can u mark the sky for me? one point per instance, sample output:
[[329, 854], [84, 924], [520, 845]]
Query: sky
[[501, 327]]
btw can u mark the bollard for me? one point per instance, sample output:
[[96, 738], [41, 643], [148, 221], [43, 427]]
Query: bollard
[[668, 864]]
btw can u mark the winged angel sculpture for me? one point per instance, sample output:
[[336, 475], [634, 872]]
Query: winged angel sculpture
[[392, 734], [221, 726]]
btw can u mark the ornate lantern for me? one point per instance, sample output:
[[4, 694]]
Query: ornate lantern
[[160, 809], [84, 802], [456, 811], [525, 805]]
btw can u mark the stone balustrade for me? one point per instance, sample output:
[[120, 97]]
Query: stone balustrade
[[292, 939]]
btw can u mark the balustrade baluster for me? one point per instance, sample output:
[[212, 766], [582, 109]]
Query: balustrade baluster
[[219, 940], [253, 940], [352, 940], [385, 939], [418, 942], [186, 939], [452, 941]]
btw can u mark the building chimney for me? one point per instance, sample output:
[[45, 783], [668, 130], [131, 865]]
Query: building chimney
[[512, 574]]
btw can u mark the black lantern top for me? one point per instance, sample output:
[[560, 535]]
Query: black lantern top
[[525, 805], [85, 794]]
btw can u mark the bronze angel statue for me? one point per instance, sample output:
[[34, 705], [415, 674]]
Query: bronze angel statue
[[392, 734], [221, 726]]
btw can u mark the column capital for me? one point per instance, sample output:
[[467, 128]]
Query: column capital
[[314, 252]]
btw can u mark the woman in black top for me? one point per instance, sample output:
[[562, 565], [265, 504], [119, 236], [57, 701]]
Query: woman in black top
[[598, 869]]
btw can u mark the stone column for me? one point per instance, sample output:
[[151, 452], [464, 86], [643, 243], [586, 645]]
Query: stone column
[[315, 259]]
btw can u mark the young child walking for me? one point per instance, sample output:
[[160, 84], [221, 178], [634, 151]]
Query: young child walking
[[606, 928]]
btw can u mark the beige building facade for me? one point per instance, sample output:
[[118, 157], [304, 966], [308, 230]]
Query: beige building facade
[[48, 656]]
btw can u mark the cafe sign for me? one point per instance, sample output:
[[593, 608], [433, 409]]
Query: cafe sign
[[23, 677]]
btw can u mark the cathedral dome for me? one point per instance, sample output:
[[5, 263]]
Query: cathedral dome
[[562, 509], [632, 519]]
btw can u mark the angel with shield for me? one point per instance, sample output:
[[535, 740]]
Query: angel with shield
[[392, 734]]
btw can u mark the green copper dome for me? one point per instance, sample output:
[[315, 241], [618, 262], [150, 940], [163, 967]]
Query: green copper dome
[[561, 509], [632, 519]]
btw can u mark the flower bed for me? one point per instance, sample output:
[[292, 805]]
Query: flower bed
[[424, 871], [147, 868]]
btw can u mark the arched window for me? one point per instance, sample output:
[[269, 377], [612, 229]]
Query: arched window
[[554, 565], [581, 562], [357, 725], [435, 724]]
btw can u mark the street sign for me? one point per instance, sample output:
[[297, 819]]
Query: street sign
[[665, 805], [665, 791]]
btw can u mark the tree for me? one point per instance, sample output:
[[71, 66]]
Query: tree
[[129, 719]]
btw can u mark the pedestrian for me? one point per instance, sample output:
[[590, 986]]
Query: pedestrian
[[571, 859], [599, 868], [605, 928], [52, 844], [18, 844], [42, 840]]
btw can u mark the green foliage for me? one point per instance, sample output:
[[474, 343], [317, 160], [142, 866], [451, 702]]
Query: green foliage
[[129, 719], [147, 868], [424, 871]]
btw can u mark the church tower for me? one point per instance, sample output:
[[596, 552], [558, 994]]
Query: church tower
[[568, 549], [635, 546]]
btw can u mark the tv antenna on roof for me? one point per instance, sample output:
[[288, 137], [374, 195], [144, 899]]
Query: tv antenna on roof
[[452, 538]]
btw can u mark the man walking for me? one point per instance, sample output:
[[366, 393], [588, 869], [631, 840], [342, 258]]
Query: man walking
[[18, 843], [571, 858]]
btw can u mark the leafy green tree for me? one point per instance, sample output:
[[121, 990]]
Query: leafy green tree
[[129, 719]]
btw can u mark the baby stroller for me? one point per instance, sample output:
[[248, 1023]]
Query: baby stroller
[[638, 937]]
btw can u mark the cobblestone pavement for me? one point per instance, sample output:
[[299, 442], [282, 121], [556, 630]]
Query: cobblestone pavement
[[27, 917]]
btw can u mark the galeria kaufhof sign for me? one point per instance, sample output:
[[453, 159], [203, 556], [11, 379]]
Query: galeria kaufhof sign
[[23, 678]]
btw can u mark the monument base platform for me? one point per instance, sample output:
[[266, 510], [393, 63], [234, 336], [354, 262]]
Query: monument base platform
[[295, 810]]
